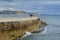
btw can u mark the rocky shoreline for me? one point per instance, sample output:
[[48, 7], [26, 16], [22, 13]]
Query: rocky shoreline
[[14, 28], [11, 30]]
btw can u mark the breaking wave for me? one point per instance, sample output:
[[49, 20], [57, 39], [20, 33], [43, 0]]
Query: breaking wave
[[40, 32]]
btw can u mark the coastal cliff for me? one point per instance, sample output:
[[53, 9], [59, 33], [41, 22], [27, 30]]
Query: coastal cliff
[[11, 29]]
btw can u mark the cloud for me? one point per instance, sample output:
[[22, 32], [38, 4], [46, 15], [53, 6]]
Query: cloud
[[7, 0], [47, 6], [26, 0], [50, 2], [2, 8]]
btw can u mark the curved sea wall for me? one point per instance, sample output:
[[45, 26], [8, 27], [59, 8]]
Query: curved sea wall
[[11, 29]]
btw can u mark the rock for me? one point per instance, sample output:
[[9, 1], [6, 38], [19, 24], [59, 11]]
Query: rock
[[44, 23], [12, 29]]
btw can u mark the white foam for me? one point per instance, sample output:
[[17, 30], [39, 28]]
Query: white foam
[[27, 34], [44, 31]]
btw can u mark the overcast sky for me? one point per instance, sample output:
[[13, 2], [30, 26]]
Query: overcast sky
[[38, 6]]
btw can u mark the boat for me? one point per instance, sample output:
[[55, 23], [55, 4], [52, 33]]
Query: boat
[[12, 28]]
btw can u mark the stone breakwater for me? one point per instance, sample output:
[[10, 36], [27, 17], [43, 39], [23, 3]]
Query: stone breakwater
[[12, 29]]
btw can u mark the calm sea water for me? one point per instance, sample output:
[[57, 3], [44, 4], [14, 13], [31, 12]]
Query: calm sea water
[[52, 30]]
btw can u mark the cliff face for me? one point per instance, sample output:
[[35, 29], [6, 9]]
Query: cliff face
[[11, 30]]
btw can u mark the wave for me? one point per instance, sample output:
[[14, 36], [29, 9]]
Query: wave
[[40, 32]]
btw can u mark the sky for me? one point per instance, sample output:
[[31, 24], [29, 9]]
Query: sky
[[36, 6]]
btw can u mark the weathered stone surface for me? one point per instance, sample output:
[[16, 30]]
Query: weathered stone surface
[[11, 30]]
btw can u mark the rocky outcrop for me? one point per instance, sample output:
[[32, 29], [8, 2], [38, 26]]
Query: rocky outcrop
[[44, 23], [13, 29]]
